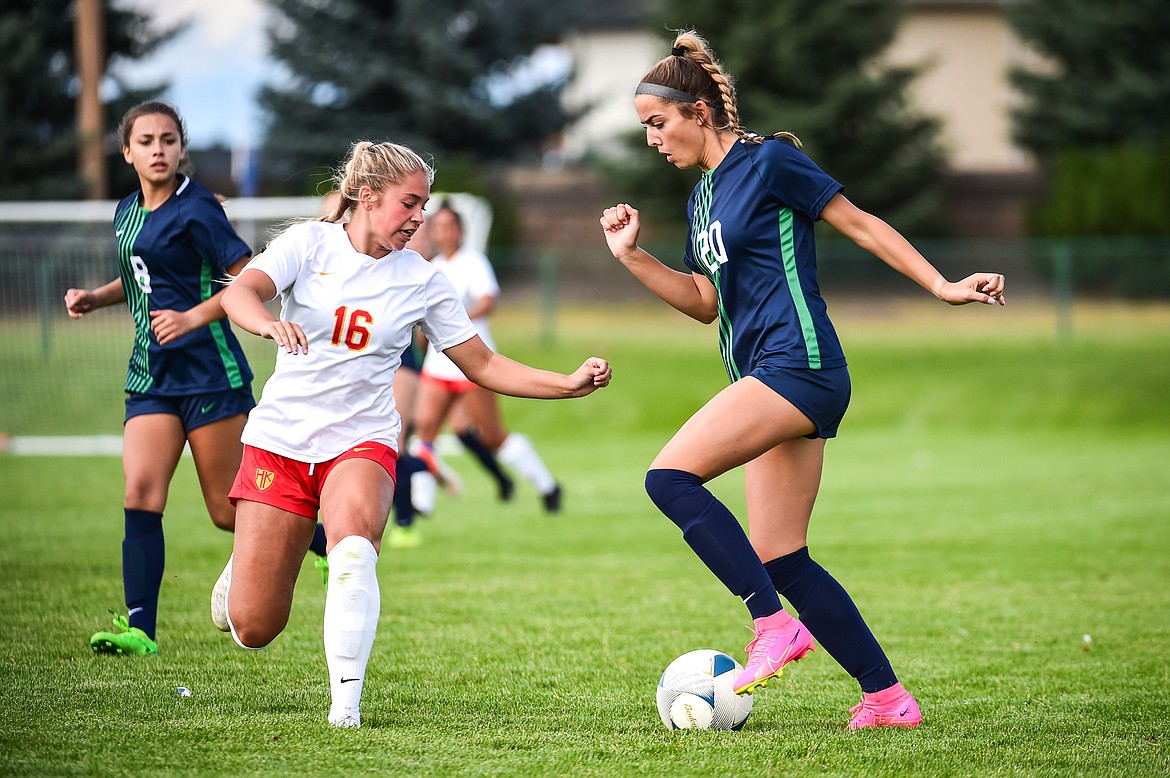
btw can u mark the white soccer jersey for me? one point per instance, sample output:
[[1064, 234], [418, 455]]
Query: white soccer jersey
[[357, 313], [471, 274]]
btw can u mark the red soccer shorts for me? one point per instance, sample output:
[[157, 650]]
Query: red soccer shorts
[[293, 486]]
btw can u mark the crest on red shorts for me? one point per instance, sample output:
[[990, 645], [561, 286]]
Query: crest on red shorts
[[264, 478]]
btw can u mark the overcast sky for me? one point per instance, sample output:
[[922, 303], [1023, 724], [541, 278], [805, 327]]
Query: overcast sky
[[215, 67]]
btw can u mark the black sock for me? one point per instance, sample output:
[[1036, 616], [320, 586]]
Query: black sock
[[716, 536], [403, 503], [143, 560], [833, 619], [317, 546], [487, 458]]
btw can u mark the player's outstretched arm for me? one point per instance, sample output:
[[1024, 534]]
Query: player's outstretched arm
[[887, 244], [499, 374], [243, 302]]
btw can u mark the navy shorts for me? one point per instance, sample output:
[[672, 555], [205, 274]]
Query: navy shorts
[[410, 359], [194, 410], [821, 395]]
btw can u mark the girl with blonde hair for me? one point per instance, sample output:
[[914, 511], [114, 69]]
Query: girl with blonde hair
[[323, 438]]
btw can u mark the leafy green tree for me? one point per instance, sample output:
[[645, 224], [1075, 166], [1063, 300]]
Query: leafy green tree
[[811, 68], [38, 126], [446, 77], [1106, 79]]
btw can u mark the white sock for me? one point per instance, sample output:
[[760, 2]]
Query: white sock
[[517, 453], [351, 620], [423, 487]]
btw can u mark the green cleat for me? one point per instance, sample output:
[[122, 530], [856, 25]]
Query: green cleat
[[128, 640], [322, 564], [404, 537]]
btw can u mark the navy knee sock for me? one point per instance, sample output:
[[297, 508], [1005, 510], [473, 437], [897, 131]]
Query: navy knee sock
[[487, 458], [143, 560], [833, 619], [317, 546], [715, 536], [403, 504]]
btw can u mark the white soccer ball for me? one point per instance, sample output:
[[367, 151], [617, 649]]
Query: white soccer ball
[[694, 692]]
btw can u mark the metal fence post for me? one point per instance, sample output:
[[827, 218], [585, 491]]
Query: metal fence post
[[1062, 288], [548, 298]]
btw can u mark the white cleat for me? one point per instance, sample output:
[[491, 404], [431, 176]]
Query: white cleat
[[346, 719], [219, 593]]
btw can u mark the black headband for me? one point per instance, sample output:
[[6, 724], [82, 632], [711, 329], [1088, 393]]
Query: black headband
[[665, 92]]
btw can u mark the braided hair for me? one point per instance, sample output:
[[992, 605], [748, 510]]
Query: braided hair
[[692, 71]]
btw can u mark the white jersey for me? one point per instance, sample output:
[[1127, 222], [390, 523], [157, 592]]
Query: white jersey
[[471, 274], [357, 313]]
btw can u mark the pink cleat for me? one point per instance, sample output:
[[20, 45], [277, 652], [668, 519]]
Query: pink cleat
[[892, 707], [780, 639]]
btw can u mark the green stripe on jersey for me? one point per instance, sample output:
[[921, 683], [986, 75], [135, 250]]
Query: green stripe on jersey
[[788, 251], [701, 225], [230, 364], [127, 226]]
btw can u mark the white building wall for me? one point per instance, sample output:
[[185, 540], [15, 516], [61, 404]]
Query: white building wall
[[968, 53], [608, 66]]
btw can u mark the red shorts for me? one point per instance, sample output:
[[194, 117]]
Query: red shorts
[[449, 385], [272, 479]]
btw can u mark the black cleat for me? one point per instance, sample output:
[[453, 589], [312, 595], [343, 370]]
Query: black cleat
[[552, 500]]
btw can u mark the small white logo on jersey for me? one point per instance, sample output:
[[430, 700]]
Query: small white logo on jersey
[[118, 234]]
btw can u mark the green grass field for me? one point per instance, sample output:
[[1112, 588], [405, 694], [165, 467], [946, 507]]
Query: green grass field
[[996, 495]]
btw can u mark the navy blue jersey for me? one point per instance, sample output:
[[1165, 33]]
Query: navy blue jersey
[[174, 258], [751, 234]]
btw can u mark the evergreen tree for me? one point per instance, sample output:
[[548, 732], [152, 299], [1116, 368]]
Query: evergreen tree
[[810, 68], [1097, 114], [1106, 79], [442, 76], [38, 122]]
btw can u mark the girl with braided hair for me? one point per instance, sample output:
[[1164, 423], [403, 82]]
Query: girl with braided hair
[[752, 258]]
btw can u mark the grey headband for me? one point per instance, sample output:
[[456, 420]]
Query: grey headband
[[665, 92]]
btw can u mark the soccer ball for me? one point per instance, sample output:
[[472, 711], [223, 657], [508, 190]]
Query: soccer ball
[[695, 692]]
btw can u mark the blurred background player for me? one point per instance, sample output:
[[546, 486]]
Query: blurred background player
[[188, 382], [326, 428], [446, 394]]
